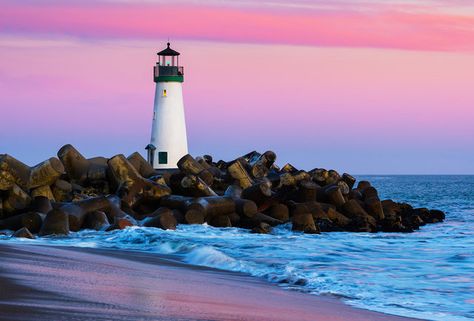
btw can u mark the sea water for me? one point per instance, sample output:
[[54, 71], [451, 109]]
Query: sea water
[[427, 274]]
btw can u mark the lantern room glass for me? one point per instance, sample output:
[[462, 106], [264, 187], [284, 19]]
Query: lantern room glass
[[169, 61]]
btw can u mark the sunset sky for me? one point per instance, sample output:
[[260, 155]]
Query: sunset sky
[[363, 86]]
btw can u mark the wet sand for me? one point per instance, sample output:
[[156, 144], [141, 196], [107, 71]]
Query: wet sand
[[51, 283]]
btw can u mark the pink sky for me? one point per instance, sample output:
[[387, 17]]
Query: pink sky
[[351, 85]]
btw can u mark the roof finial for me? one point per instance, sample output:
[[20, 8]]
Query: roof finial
[[168, 42]]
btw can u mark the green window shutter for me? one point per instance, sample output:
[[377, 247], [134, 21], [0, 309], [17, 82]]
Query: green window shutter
[[163, 157]]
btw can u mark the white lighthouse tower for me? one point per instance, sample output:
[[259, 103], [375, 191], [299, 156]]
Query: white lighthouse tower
[[168, 134]]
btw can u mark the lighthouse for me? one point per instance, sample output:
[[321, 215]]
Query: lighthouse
[[168, 134]]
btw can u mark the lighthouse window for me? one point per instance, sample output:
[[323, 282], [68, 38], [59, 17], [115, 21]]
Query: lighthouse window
[[163, 157], [164, 93]]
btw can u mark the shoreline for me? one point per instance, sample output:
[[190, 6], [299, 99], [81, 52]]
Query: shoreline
[[66, 283]]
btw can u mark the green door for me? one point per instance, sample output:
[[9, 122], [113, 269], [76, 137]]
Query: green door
[[162, 157]]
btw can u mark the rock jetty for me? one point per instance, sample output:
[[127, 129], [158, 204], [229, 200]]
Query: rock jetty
[[71, 192]]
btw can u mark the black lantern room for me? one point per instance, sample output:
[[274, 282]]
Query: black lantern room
[[167, 68]]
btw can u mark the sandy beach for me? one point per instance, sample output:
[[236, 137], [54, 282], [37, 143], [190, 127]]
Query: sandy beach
[[50, 283]]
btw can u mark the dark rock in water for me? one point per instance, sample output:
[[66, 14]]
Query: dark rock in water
[[363, 185], [214, 206], [374, 208], [121, 223], [234, 219], [259, 193], [338, 219], [179, 216], [304, 222], [437, 216], [97, 220], [245, 207], [30, 220], [326, 225], [267, 219], [193, 216], [429, 216], [162, 218], [262, 228], [279, 211], [23, 233], [334, 195], [424, 214], [362, 221], [55, 223], [413, 221], [77, 211], [220, 221]]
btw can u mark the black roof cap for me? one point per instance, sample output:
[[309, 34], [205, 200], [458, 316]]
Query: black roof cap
[[168, 52]]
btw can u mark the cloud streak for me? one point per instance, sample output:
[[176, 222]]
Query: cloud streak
[[400, 25]]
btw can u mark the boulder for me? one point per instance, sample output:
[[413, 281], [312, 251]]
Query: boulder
[[141, 165], [238, 172], [132, 187], [13, 172], [96, 220], [55, 223], [267, 219], [45, 173], [259, 193], [188, 165], [30, 220], [122, 222], [23, 233], [245, 207], [214, 206], [193, 216], [304, 222], [362, 221], [16, 200], [194, 186], [220, 221], [162, 218], [279, 211], [262, 228]]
